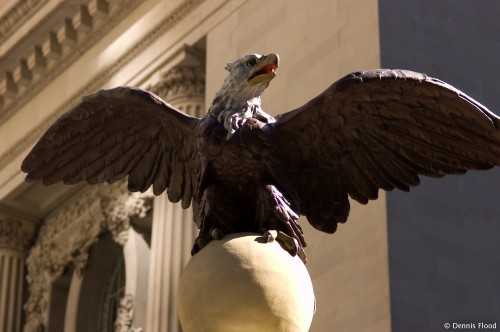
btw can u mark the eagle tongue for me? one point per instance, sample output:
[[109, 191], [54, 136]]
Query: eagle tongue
[[266, 73], [267, 69]]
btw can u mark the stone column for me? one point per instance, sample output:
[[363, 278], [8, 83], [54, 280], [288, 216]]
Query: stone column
[[14, 239], [173, 230], [172, 239]]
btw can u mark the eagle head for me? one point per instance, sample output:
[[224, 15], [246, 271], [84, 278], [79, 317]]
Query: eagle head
[[250, 75], [239, 97]]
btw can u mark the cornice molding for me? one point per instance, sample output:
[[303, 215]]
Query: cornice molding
[[101, 77], [71, 37], [16, 16]]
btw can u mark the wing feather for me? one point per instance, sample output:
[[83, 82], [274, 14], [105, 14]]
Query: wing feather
[[366, 182], [116, 133], [187, 191], [161, 181], [376, 130], [175, 184], [137, 176], [403, 171]]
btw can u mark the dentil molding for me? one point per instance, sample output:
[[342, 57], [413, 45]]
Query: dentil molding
[[100, 78], [26, 68], [17, 15]]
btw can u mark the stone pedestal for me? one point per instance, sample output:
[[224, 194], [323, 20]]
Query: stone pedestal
[[241, 283]]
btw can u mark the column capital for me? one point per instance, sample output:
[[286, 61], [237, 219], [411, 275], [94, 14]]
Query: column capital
[[16, 233], [185, 82]]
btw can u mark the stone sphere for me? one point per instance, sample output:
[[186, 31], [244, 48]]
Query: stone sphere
[[242, 283]]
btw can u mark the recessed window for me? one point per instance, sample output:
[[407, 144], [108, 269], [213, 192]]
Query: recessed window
[[114, 292]]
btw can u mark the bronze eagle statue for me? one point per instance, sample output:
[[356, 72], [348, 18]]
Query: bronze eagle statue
[[244, 170]]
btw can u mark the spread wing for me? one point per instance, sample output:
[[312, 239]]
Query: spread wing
[[377, 129], [118, 132]]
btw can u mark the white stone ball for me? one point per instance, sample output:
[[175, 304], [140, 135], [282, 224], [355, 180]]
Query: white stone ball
[[243, 284]]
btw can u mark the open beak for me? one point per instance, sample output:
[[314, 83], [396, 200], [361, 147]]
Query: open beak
[[265, 69]]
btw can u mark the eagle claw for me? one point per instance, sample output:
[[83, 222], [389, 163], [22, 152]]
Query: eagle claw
[[288, 243]]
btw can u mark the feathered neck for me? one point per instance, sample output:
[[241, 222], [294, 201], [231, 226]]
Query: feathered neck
[[230, 99]]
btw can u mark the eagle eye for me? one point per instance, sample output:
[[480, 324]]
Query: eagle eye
[[250, 63]]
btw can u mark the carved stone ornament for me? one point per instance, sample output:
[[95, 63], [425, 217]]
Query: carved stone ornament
[[123, 209], [181, 82], [13, 236], [67, 235], [71, 54], [53, 51], [125, 315], [17, 15]]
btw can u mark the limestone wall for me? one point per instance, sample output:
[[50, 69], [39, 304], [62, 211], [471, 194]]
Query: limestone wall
[[318, 41]]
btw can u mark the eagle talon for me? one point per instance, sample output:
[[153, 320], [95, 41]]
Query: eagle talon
[[200, 243], [270, 235], [234, 122], [217, 233], [290, 244], [202, 240]]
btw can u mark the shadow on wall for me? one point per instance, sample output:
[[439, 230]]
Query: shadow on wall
[[443, 236]]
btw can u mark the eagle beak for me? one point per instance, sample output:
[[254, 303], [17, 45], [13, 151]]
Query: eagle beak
[[265, 70]]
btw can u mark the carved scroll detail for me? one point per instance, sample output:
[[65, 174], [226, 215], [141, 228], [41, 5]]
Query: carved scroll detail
[[68, 234], [125, 315]]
